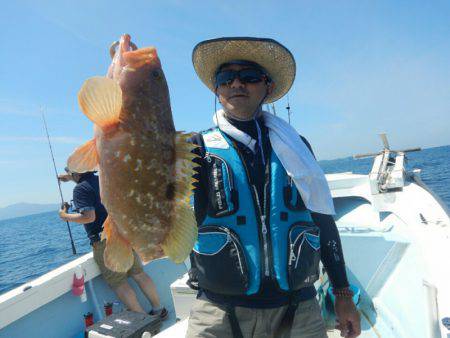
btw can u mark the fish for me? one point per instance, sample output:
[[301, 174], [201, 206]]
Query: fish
[[145, 166]]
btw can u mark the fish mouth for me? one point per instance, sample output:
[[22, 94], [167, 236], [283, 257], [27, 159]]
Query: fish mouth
[[141, 57], [129, 56]]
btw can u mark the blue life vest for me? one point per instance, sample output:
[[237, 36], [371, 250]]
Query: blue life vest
[[243, 240]]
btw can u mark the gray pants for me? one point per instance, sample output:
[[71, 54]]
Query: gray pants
[[209, 320]]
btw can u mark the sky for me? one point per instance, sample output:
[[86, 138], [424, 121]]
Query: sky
[[363, 67]]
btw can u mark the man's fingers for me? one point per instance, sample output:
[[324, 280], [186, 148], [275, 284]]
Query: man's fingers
[[356, 327], [342, 329]]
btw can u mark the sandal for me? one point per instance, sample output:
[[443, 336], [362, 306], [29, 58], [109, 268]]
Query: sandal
[[162, 313]]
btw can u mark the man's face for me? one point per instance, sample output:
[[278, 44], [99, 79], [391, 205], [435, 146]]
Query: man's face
[[241, 100]]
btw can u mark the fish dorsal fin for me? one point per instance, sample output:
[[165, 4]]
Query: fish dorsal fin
[[100, 99], [184, 166], [84, 158], [183, 234]]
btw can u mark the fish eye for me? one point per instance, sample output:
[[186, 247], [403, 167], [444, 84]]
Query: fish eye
[[156, 74]]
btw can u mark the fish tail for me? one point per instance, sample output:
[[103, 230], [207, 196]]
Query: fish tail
[[118, 255], [183, 234]]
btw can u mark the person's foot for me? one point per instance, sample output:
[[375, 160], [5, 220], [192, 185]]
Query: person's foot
[[162, 313]]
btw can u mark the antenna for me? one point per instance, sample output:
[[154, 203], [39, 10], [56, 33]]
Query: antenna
[[288, 108]]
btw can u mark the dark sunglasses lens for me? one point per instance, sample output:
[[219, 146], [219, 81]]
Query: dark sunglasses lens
[[245, 76], [225, 78], [250, 76]]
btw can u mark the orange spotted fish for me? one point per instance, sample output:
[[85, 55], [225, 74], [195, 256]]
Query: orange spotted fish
[[145, 166]]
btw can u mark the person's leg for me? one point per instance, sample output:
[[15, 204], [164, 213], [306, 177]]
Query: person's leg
[[128, 297], [308, 321], [268, 322], [148, 288], [210, 320], [144, 282], [116, 280]]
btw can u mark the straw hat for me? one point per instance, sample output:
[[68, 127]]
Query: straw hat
[[276, 59]]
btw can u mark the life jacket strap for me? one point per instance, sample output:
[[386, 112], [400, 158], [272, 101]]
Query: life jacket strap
[[235, 328], [288, 318]]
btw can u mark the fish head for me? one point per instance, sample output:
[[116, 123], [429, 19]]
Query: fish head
[[138, 72]]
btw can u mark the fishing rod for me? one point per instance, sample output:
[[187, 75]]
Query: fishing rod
[[74, 251]]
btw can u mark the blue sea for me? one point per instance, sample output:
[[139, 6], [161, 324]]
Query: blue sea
[[34, 245]]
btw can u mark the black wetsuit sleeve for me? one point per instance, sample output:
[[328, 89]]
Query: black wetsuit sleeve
[[308, 145], [331, 249]]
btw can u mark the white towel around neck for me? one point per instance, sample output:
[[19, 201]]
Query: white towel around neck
[[295, 157]]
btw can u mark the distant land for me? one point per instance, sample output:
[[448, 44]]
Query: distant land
[[25, 209]]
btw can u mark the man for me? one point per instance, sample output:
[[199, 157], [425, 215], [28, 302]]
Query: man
[[92, 213], [260, 228]]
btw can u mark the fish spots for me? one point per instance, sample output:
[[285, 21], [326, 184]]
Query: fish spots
[[170, 191], [126, 158], [117, 153], [138, 165], [133, 141], [168, 156]]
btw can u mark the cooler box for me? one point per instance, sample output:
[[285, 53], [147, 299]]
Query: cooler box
[[126, 324], [183, 297]]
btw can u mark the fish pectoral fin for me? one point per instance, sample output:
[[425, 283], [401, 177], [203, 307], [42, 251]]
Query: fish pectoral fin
[[181, 238], [118, 255], [84, 158], [184, 166], [100, 99]]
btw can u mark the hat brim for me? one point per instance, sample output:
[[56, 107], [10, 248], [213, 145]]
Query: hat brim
[[276, 59]]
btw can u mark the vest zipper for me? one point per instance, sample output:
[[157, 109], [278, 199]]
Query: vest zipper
[[265, 268], [230, 239], [264, 232], [291, 254], [267, 217]]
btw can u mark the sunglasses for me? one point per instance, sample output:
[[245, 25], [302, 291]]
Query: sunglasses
[[249, 75]]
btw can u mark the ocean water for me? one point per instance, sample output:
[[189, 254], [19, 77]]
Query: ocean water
[[33, 245]]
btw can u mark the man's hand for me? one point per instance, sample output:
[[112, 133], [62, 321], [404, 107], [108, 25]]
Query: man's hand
[[347, 316], [65, 177], [63, 212]]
